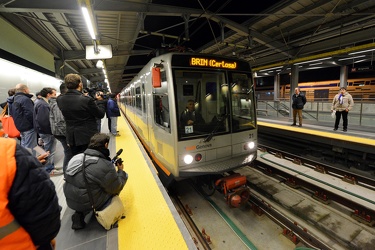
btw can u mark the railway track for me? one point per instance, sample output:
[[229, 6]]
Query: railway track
[[300, 231], [325, 192]]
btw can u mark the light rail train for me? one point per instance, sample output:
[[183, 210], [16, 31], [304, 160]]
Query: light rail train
[[360, 89], [222, 93]]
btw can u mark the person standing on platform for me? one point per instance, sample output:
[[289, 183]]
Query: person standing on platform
[[11, 92], [21, 108], [43, 128], [342, 104], [100, 98], [80, 113], [58, 125], [113, 112], [298, 101], [29, 211]]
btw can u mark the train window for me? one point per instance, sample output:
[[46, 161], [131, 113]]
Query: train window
[[201, 103], [138, 98], [143, 98], [242, 102], [161, 111]]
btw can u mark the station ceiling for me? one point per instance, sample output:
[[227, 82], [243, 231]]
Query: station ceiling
[[270, 34]]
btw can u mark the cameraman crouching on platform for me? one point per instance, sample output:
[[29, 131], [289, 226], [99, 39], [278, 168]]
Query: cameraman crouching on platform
[[103, 179]]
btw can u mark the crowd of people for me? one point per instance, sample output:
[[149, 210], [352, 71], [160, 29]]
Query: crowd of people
[[29, 211]]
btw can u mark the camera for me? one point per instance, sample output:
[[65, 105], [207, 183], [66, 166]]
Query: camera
[[118, 162]]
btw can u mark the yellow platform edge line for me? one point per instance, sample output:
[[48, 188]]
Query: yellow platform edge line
[[149, 223], [336, 136]]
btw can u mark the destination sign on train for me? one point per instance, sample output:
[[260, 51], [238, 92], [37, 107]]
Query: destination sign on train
[[205, 62]]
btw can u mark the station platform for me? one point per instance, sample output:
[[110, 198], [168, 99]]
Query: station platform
[[151, 222], [358, 140]]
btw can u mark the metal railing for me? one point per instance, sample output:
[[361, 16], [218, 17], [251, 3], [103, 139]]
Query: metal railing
[[362, 114]]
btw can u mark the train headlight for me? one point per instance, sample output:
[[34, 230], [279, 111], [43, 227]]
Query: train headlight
[[188, 159], [249, 145]]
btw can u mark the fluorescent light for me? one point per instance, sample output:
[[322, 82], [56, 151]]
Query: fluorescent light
[[89, 24], [350, 58], [313, 64], [363, 51], [315, 68], [99, 64], [363, 60], [316, 60], [270, 69]]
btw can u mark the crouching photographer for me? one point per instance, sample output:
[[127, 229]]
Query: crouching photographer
[[93, 183]]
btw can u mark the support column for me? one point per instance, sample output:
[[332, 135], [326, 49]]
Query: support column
[[293, 84], [276, 87], [343, 76]]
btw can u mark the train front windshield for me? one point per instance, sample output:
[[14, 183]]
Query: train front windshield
[[209, 103]]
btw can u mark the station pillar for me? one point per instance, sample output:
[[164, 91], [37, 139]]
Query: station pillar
[[343, 76], [293, 84], [276, 87]]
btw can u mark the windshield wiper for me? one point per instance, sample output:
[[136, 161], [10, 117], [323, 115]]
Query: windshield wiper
[[221, 121]]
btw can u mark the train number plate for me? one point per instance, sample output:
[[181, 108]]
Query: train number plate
[[189, 130]]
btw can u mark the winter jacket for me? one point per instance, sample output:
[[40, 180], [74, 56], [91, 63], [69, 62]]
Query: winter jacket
[[346, 102], [103, 180], [80, 113], [41, 117], [32, 198], [56, 119], [21, 107], [112, 108], [298, 101]]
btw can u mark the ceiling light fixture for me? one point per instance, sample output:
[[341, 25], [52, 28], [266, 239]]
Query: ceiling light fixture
[[99, 64], [363, 51], [316, 60], [89, 23], [350, 58], [270, 69]]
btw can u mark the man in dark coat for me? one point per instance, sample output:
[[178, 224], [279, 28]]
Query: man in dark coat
[[43, 127], [80, 113], [21, 107], [113, 112], [298, 101]]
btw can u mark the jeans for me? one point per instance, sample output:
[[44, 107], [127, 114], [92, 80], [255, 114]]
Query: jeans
[[113, 125], [67, 151], [29, 140], [49, 145]]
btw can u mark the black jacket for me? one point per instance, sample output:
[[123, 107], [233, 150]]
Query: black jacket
[[41, 117], [298, 101], [101, 175], [21, 107], [33, 200], [80, 113]]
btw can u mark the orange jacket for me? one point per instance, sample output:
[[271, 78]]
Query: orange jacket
[[12, 235]]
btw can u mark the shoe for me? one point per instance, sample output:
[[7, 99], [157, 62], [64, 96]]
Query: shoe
[[55, 172], [293, 124], [58, 168], [116, 135], [344, 130], [78, 221], [334, 129], [300, 125]]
